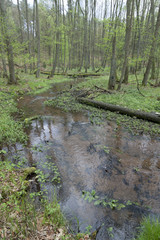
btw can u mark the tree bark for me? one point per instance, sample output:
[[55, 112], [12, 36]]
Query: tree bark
[[122, 110], [5, 74], [56, 55], [86, 36], [21, 31], [38, 39], [7, 40], [151, 55], [127, 39], [28, 34]]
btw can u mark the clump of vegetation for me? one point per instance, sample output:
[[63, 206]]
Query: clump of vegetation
[[11, 131], [20, 219], [129, 96], [149, 229], [104, 201]]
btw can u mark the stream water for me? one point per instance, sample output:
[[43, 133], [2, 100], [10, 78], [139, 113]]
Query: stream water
[[128, 170]]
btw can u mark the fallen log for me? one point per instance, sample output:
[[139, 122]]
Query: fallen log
[[74, 75], [153, 117]]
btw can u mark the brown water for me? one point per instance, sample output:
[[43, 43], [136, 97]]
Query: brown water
[[130, 171]]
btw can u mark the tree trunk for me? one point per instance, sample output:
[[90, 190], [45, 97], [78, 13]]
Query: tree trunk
[[151, 56], [7, 40], [5, 74], [86, 37], [127, 39], [122, 110], [28, 34], [12, 78], [20, 25], [38, 40], [56, 55], [112, 77]]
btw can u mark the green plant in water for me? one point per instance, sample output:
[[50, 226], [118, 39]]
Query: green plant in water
[[106, 149], [92, 197], [110, 232]]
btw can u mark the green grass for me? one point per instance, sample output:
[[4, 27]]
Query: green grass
[[149, 229], [128, 96], [19, 214], [11, 131]]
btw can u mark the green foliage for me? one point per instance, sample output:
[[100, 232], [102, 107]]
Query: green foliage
[[149, 229], [127, 97], [52, 175], [110, 232], [17, 214], [104, 201], [52, 213], [17, 209], [11, 131]]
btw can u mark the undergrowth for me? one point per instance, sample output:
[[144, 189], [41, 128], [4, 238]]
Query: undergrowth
[[20, 218], [11, 131], [129, 96], [149, 229]]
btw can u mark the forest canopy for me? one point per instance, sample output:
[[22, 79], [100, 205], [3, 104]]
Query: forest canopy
[[59, 35]]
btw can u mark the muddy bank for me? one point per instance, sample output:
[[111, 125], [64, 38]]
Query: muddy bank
[[103, 158]]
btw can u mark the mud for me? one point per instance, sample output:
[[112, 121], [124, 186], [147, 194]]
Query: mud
[[105, 158]]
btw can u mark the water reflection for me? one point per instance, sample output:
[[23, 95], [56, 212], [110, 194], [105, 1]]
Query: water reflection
[[129, 170]]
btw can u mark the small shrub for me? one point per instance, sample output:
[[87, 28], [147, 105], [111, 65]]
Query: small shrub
[[149, 229]]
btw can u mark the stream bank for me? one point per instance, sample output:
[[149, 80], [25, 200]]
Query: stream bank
[[105, 158]]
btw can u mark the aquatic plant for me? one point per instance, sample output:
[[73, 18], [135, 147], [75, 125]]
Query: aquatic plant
[[104, 201]]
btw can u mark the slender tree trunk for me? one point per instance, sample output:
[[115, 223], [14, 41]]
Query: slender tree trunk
[[33, 38], [127, 40], [5, 74], [56, 55], [93, 34], [38, 39], [20, 25], [7, 40], [103, 57], [12, 78], [112, 77], [28, 34], [151, 56], [86, 37]]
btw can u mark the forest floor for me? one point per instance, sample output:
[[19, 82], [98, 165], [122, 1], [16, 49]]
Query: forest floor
[[21, 219], [95, 88]]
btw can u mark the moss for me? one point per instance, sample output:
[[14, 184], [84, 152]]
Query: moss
[[27, 172]]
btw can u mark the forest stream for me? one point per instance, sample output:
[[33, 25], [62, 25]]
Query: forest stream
[[105, 158]]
